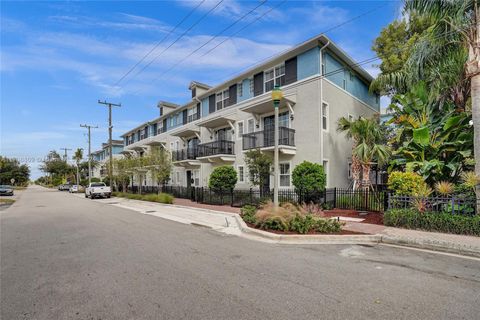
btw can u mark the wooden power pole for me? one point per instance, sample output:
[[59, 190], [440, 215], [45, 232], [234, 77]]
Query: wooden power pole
[[110, 127], [89, 127]]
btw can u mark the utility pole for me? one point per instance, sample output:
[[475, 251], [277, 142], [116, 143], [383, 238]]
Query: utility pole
[[110, 127], [65, 155], [89, 127]]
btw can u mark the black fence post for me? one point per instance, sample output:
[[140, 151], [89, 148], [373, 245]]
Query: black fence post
[[335, 197], [385, 200]]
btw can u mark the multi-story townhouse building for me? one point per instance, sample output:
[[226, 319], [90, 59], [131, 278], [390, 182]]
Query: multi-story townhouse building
[[320, 84], [102, 157]]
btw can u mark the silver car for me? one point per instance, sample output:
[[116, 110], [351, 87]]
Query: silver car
[[6, 190]]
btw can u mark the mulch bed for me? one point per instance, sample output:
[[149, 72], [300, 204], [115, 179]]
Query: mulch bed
[[370, 217], [343, 232]]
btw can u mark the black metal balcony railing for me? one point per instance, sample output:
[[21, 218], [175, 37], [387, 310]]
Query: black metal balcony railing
[[185, 154], [266, 138], [216, 147]]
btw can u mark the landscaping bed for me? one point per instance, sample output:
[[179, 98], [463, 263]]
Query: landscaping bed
[[370, 217]]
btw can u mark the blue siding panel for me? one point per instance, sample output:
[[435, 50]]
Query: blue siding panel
[[334, 66], [308, 63], [204, 107]]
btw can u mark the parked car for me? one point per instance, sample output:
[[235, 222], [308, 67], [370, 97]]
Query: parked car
[[64, 187], [98, 190], [6, 190], [73, 188]]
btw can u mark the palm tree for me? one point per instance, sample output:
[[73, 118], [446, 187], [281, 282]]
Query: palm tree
[[457, 23], [368, 147], [78, 156]]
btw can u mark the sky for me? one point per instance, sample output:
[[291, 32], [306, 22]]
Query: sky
[[57, 59]]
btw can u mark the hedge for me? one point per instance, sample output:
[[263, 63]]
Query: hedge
[[432, 221], [153, 197]]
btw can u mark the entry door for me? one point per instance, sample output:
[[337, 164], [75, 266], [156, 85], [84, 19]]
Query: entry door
[[189, 178]]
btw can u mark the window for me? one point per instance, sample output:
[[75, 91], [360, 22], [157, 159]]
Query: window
[[284, 174], [160, 127], [241, 174], [325, 116], [251, 86], [176, 145], [178, 177], [196, 177], [349, 169], [239, 129], [250, 125], [239, 89], [192, 114], [325, 169], [352, 76], [222, 99], [274, 76], [344, 84]]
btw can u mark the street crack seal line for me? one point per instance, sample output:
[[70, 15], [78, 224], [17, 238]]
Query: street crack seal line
[[150, 211]]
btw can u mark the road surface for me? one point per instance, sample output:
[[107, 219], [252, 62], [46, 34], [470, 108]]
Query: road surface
[[65, 257]]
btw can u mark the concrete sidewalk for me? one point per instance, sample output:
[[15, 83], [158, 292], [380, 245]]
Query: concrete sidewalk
[[231, 223]]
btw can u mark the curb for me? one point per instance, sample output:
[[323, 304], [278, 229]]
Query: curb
[[434, 245]]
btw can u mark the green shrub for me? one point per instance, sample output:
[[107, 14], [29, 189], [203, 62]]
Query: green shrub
[[223, 178], [432, 221], [274, 223], [327, 226], [248, 214], [405, 183], [302, 224], [308, 177]]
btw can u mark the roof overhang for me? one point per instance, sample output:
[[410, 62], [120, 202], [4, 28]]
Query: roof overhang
[[186, 131], [265, 104], [154, 141], [218, 121]]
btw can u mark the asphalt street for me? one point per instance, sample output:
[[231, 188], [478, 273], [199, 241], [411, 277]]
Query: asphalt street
[[65, 257]]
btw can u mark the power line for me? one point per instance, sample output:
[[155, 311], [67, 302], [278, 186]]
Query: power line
[[176, 40], [244, 27], [159, 43], [210, 40]]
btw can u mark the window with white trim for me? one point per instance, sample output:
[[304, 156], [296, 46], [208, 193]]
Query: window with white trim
[[324, 116], [241, 174], [284, 174], [222, 99], [239, 89], [196, 177], [250, 125], [192, 114], [251, 87], [178, 177], [239, 129], [349, 169], [274, 76]]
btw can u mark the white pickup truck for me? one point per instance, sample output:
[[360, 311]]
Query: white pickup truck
[[97, 190]]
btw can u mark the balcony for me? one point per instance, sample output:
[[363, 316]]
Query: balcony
[[265, 140], [217, 151]]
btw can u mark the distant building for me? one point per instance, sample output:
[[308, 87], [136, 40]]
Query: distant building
[[102, 157]]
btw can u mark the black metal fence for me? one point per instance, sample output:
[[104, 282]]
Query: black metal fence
[[216, 147], [266, 138], [330, 198], [454, 204]]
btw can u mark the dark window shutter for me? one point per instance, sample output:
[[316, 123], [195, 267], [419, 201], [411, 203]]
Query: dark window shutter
[[291, 70], [258, 84], [194, 92], [232, 95], [164, 129], [184, 115], [198, 110], [211, 103]]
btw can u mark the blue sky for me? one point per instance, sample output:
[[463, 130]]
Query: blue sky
[[59, 58]]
